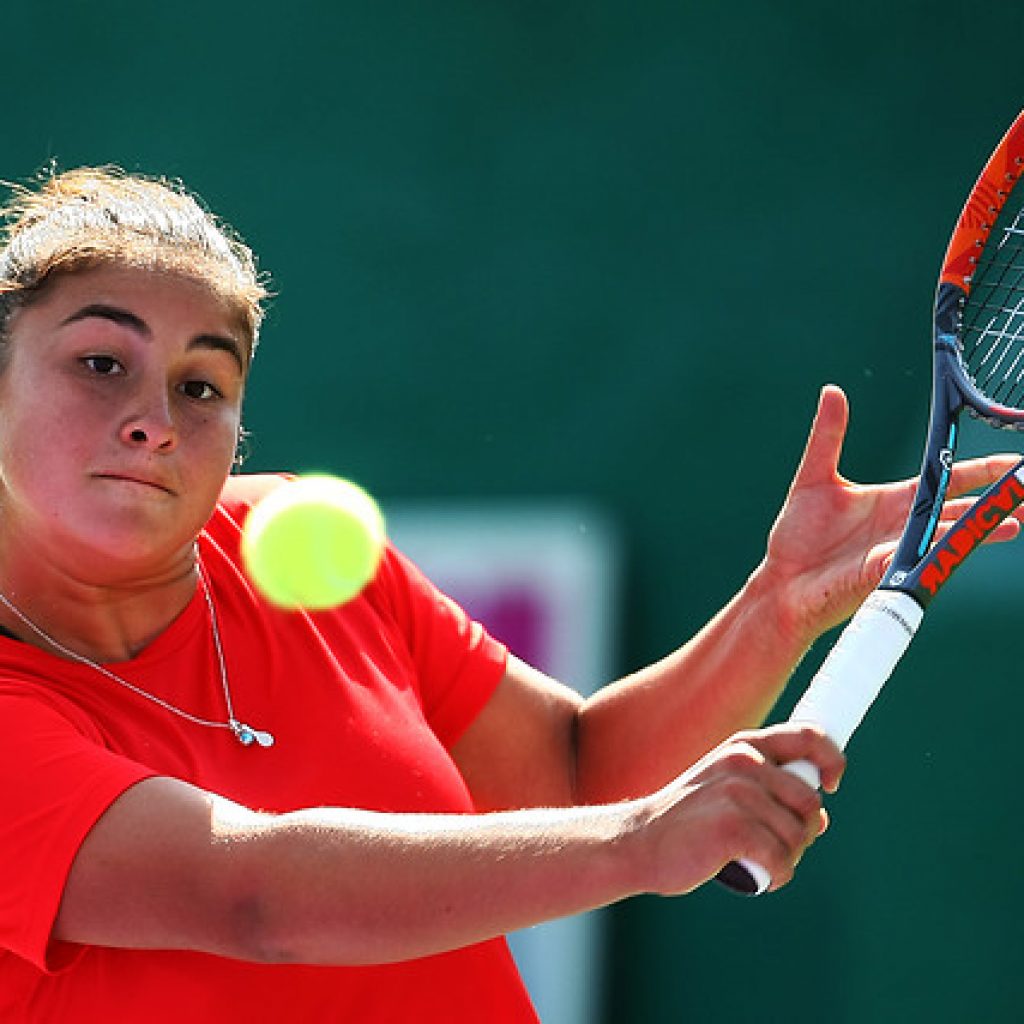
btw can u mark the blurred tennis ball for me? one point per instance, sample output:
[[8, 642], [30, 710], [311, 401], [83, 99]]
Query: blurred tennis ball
[[313, 543]]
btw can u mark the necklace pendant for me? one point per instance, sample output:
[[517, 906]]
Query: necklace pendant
[[247, 736]]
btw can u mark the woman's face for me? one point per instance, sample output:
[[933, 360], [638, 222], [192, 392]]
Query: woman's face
[[120, 406]]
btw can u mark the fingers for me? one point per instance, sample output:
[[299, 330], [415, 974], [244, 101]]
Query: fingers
[[1008, 529], [972, 474], [766, 815], [771, 833], [800, 741], [754, 808], [820, 462]]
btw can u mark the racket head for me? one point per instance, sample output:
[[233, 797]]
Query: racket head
[[978, 360], [979, 302]]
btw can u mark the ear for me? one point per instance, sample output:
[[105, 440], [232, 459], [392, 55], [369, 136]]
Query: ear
[[241, 449]]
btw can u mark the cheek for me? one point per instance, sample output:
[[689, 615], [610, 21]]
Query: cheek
[[210, 442], [28, 430], [40, 458]]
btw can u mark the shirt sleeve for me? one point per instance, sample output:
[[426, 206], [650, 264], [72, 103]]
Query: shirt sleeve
[[458, 663], [56, 781]]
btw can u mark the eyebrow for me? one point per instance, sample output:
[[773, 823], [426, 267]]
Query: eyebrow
[[126, 318]]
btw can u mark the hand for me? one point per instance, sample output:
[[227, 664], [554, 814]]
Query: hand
[[737, 802], [833, 538]]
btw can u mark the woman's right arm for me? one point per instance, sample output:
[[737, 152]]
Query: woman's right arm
[[169, 866]]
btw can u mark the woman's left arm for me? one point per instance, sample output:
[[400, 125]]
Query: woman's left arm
[[537, 742]]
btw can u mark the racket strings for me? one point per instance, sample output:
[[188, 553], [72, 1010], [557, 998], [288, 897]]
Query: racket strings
[[992, 317]]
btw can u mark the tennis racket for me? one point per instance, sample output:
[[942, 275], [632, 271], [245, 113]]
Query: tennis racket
[[978, 349]]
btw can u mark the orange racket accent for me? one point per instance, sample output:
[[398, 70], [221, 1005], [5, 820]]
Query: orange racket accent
[[980, 212]]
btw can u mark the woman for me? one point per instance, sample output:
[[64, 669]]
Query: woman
[[213, 810]]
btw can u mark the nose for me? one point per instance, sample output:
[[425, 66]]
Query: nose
[[150, 426]]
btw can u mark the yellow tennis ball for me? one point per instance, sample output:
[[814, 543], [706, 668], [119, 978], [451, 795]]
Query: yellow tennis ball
[[314, 542]]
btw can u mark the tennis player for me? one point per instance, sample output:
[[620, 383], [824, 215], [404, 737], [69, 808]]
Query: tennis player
[[414, 791]]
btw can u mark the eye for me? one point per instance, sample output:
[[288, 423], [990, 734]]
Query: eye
[[104, 366], [200, 390]]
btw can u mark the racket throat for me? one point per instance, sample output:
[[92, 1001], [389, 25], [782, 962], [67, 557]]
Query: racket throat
[[936, 472], [944, 468]]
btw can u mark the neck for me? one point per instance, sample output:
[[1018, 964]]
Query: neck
[[102, 622], [244, 733]]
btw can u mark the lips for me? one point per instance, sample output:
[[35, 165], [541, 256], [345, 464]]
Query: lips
[[141, 480]]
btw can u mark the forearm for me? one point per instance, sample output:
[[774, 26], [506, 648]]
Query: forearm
[[638, 733], [351, 886], [169, 866]]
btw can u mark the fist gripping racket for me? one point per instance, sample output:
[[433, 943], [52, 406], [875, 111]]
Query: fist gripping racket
[[978, 366]]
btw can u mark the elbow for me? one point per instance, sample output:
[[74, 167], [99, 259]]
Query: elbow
[[274, 924], [248, 900], [259, 935], [253, 933]]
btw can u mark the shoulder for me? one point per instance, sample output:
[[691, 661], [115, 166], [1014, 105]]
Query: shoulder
[[239, 495], [242, 492]]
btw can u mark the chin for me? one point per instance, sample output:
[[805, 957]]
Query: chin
[[126, 556]]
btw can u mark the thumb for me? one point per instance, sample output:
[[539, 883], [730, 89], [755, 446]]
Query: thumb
[[820, 462]]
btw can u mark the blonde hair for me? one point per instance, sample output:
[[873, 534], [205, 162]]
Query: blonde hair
[[94, 216]]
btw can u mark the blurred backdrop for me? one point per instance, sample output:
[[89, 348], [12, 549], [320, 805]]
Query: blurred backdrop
[[603, 255]]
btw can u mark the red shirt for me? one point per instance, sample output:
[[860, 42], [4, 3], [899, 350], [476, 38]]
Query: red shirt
[[364, 703]]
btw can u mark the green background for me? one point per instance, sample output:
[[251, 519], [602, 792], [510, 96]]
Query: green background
[[611, 251]]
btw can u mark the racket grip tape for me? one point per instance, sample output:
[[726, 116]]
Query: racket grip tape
[[840, 694]]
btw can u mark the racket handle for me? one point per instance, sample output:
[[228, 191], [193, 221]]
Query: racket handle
[[840, 694]]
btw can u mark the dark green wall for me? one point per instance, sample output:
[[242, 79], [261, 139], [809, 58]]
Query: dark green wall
[[612, 250]]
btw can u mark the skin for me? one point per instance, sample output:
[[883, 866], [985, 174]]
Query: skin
[[101, 518], [572, 818]]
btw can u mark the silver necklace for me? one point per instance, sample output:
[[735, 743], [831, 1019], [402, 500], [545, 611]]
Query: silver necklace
[[245, 734]]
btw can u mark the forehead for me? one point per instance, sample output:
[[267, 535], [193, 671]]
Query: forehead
[[151, 295]]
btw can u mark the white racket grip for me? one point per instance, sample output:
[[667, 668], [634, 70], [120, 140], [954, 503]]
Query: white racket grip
[[859, 664], [841, 692]]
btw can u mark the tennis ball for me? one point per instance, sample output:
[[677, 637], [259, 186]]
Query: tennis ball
[[314, 542]]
